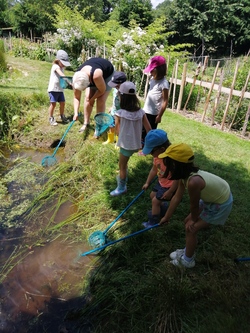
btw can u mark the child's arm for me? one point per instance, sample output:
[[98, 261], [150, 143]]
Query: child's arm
[[174, 203], [77, 100], [146, 123], [171, 191], [117, 125], [151, 176], [164, 105], [195, 186], [59, 71]]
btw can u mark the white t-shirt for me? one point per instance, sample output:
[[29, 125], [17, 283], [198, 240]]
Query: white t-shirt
[[54, 79], [154, 97], [130, 129]]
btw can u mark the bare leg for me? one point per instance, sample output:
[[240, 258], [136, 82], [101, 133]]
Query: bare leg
[[123, 163], [191, 235], [87, 107], [156, 206], [101, 102], [52, 108], [62, 107]]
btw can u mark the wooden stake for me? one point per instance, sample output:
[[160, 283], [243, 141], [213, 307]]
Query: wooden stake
[[240, 100], [171, 79], [217, 97], [175, 83], [246, 121], [202, 74], [146, 87], [141, 85], [183, 81], [230, 95], [210, 92], [197, 72]]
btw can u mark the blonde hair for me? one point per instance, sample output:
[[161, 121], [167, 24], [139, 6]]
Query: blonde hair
[[80, 81]]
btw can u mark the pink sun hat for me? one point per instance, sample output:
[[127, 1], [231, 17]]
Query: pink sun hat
[[154, 62]]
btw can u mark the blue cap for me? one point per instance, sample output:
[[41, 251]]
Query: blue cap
[[154, 138]]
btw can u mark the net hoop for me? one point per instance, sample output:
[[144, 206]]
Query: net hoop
[[97, 239], [48, 161], [103, 122]]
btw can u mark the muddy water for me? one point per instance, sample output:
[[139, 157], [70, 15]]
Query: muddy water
[[40, 289], [52, 273]]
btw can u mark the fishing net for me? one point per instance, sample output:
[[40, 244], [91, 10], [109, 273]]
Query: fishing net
[[48, 161], [103, 121], [51, 160], [66, 82], [97, 239]]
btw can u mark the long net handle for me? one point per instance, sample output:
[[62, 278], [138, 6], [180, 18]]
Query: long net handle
[[69, 127], [128, 206], [118, 240]]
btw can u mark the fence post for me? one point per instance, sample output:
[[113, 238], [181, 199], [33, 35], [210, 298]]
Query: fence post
[[216, 102], [146, 87], [210, 92], [193, 84], [202, 73], [246, 121], [183, 81], [230, 95], [175, 83], [240, 100]]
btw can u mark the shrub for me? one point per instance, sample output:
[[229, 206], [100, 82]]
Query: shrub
[[12, 116], [3, 64]]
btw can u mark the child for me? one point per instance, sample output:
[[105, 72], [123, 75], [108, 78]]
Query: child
[[210, 199], [55, 91], [117, 79], [157, 97], [156, 142], [128, 124]]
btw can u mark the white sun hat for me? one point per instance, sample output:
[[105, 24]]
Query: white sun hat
[[80, 81]]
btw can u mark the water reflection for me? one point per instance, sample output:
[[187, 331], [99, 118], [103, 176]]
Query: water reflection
[[54, 272]]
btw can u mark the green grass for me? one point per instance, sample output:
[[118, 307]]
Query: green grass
[[133, 287]]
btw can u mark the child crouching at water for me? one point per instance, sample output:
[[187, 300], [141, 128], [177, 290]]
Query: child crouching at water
[[210, 199]]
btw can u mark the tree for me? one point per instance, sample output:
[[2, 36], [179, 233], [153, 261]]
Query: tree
[[138, 10], [217, 26], [30, 17]]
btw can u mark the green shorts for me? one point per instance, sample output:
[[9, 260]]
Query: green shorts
[[127, 152]]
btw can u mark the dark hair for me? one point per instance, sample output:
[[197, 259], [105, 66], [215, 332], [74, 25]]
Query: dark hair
[[129, 102], [161, 71], [165, 145], [178, 170]]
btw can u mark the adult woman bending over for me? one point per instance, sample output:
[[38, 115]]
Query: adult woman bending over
[[92, 76]]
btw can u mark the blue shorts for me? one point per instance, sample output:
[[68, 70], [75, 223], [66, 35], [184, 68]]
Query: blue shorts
[[216, 213], [127, 153], [159, 191], [108, 88], [56, 96]]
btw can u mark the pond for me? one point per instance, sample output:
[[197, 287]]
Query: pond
[[40, 282]]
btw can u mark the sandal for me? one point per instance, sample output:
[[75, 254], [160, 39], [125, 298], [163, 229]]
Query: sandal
[[83, 128]]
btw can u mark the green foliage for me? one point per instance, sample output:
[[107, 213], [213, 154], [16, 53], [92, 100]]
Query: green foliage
[[3, 64], [30, 17], [139, 11], [13, 118], [222, 27], [97, 10]]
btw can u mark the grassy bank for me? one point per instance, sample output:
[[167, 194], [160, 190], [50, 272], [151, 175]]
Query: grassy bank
[[134, 288]]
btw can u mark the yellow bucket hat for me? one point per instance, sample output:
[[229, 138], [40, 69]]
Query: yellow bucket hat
[[180, 152]]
